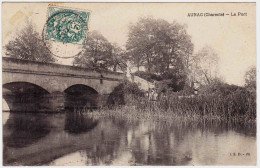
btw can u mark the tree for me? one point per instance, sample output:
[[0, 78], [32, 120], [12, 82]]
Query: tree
[[250, 78], [99, 53], [117, 59], [135, 58], [140, 42], [163, 48], [158, 45], [28, 45], [204, 68], [96, 52]]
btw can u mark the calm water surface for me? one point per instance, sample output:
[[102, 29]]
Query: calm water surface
[[74, 139]]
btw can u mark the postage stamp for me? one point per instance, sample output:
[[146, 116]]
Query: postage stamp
[[67, 25], [65, 31]]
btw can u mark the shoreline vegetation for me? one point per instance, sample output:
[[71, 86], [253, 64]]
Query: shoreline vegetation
[[225, 103]]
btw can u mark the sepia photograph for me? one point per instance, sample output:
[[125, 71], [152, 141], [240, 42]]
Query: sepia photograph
[[129, 84]]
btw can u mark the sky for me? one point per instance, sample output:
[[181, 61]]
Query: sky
[[232, 37]]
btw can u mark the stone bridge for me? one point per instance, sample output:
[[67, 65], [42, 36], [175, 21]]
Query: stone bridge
[[32, 86]]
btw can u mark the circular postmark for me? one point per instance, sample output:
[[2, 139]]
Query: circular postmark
[[65, 32]]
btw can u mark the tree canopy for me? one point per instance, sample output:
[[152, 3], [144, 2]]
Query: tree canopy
[[28, 45], [158, 45], [99, 53]]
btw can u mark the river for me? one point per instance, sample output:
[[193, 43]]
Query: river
[[74, 139]]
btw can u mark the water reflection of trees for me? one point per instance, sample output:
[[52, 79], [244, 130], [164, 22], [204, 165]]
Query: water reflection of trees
[[103, 153], [143, 142], [77, 123], [218, 127], [108, 147], [24, 129], [153, 143], [161, 143], [159, 147]]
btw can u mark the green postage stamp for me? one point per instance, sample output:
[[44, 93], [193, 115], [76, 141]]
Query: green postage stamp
[[67, 25]]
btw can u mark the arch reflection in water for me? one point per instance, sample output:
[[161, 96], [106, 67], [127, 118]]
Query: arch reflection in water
[[23, 129], [77, 123]]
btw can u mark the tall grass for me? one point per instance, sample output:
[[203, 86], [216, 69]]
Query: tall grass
[[236, 106]]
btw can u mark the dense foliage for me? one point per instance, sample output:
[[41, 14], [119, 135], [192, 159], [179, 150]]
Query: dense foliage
[[118, 95], [99, 53], [28, 45], [158, 45]]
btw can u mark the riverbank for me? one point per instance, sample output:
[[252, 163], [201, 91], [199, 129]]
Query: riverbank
[[237, 106]]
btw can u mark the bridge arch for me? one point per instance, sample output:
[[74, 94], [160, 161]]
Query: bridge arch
[[34, 80], [81, 96], [23, 96], [22, 85]]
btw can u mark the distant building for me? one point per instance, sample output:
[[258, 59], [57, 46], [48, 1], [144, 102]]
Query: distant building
[[142, 83]]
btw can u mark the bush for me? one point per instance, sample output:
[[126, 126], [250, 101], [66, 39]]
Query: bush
[[220, 88], [120, 94]]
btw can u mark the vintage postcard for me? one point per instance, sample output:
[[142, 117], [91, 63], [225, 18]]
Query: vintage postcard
[[129, 84]]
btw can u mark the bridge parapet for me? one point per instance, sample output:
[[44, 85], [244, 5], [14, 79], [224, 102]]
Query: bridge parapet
[[52, 68]]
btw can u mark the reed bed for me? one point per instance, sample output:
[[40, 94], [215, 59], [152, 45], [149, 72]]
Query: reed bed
[[235, 106]]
